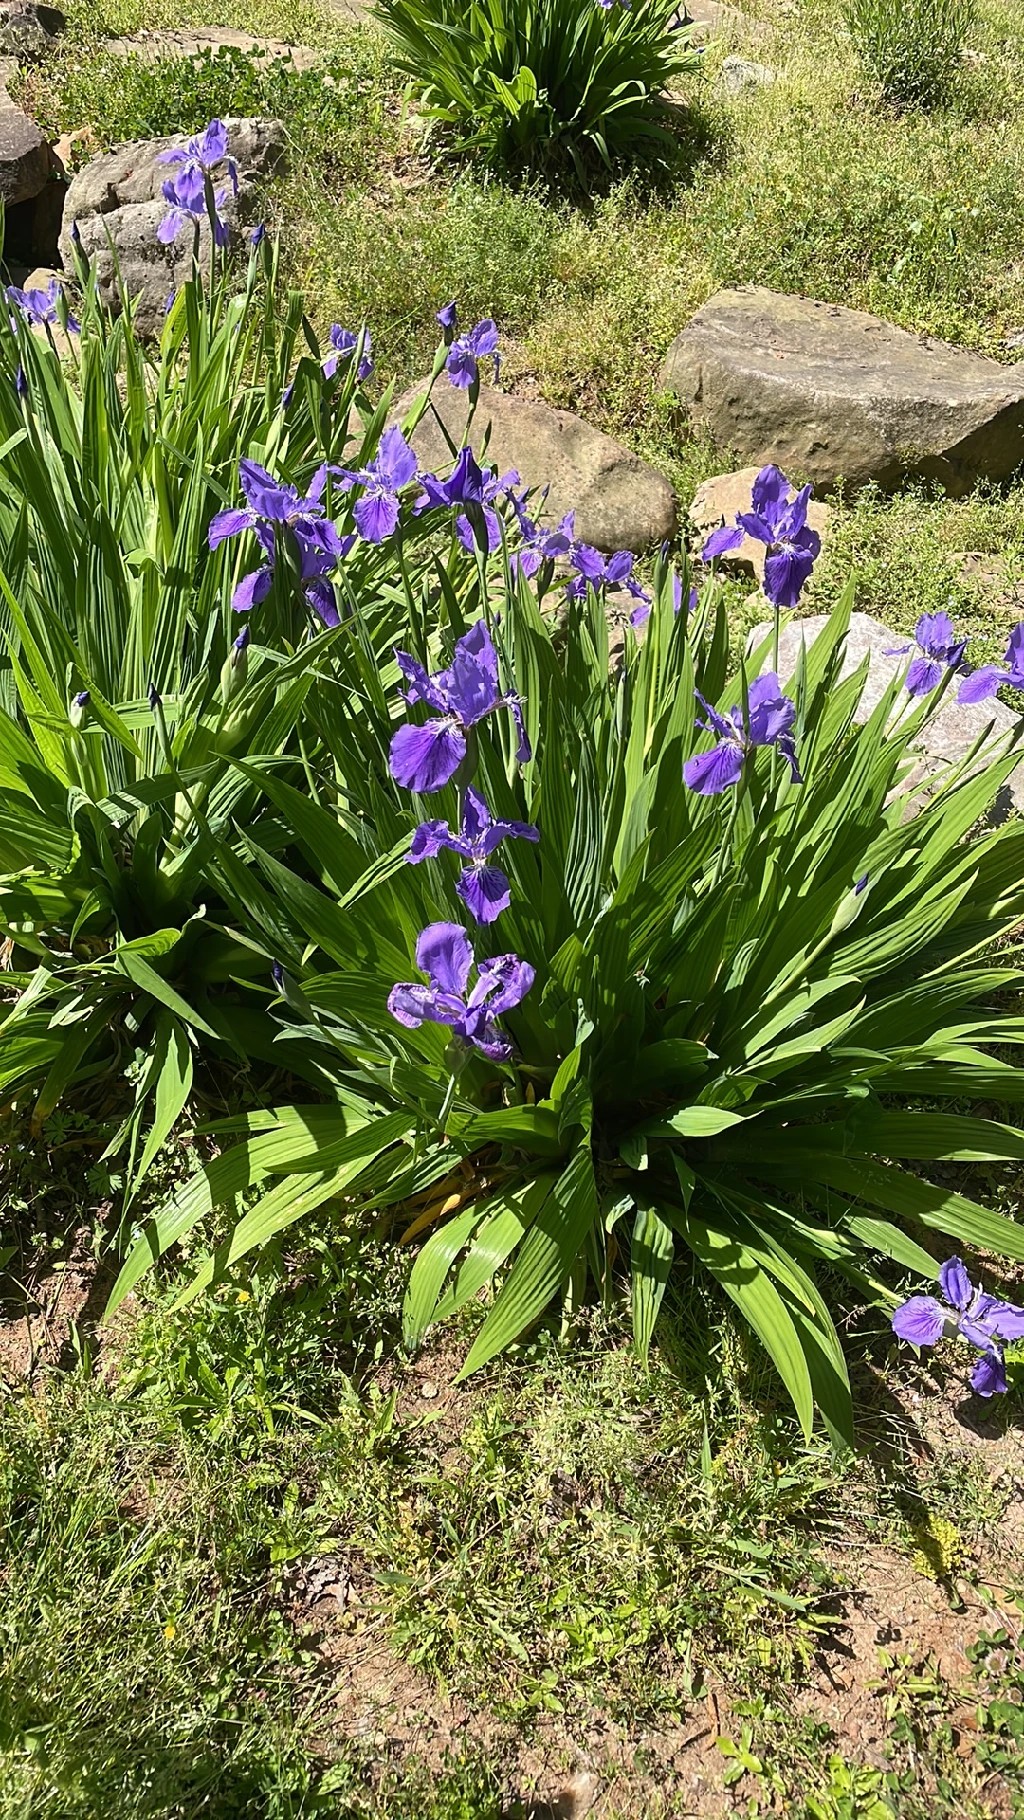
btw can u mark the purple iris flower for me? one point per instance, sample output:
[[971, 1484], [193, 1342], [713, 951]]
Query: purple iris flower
[[393, 467], [41, 306], [984, 682], [778, 519], [205, 153], [425, 758], [769, 721], [273, 505], [343, 346], [468, 349], [447, 316], [258, 235], [445, 954], [940, 651], [186, 195], [469, 485], [592, 571], [483, 888], [640, 615], [981, 1319]]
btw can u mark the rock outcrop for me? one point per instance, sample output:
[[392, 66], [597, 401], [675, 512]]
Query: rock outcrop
[[835, 394]]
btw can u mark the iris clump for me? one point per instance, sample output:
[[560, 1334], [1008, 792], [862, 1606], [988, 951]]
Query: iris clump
[[968, 1313], [567, 86]]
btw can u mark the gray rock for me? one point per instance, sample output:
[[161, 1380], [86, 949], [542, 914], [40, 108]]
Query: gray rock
[[946, 738], [621, 503], [831, 393], [718, 500], [28, 29], [739, 76], [117, 204], [26, 162]]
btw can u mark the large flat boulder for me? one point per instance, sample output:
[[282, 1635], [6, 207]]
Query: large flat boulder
[[835, 394], [117, 205], [950, 734], [621, 502]]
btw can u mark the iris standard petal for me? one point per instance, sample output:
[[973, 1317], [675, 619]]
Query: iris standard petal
[[770, 492], [955, 1284], [444, 953]]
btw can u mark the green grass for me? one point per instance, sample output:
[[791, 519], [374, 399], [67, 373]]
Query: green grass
[[572, 1542]]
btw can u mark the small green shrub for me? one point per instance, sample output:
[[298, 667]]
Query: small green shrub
[[546, 83], [911, 47]]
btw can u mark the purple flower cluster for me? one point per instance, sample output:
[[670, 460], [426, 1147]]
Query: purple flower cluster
[[272, 509], [186, 192], [424, 758], [778, 519], [967, 1313], [765, 719]]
